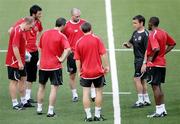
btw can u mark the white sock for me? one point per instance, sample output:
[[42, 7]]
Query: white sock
[[97, 111], [146, 97], [74, 93], [39, 107], [159, 109], [163, 108], [28, 94], [23, 100], [51, 110], [14, 102], [140, 98], [93, 93], [88, 112]]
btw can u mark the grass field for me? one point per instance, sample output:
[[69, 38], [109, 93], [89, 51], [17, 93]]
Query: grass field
[[94, 11]]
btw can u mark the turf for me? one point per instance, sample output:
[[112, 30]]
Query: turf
[[94, 12]]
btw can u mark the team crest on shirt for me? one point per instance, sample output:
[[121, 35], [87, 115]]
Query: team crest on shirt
[[139, 38]]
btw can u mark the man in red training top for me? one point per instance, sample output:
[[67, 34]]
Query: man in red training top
[[73, 32], [159, 44], [15, 62], [31, 48], [92, 65], [54, 49]]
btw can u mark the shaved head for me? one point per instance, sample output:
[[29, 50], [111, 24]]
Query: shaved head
[[75, 11], [75, 14]]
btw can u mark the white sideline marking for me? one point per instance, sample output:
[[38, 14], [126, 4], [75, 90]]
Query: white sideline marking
[[3, 51], [115, 87], [120, 93]]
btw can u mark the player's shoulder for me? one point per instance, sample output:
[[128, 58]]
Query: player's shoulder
[[146, 32], [82, 20]]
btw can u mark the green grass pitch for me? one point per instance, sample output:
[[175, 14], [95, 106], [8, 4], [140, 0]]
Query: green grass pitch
[[94, 12]]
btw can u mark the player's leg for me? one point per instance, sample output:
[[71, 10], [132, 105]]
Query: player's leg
[[22, 91], [13, 94], [162, 102], [43, 78], [72, 69], [99, 83], [138, 85], [31, 68], [93, 93], [139, 89], [40, 97], [86, 84], [146, 98], [56, 80], [156, 78], [52, 100]]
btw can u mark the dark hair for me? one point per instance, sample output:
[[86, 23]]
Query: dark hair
[[154, 21], [86, 27], [140, 18], [60, 22], [34, 9]]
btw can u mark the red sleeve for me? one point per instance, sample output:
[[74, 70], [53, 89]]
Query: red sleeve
[[102, 49], [65, 42], [76, 53], [16, 38], [40, 42], [170, 40], [40, 27], [153, 41], [18, 22]]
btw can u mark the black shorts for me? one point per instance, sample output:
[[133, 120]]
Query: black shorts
[[137, 67], [55, 77], [31, 67], [15, 74], [98, 82], [71, 64], [156, 75]]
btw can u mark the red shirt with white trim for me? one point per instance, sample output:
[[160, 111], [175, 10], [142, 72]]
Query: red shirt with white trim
[[52, 45], [89, 50], [31, 36], [158, 39], [17, 39], [73, 32]]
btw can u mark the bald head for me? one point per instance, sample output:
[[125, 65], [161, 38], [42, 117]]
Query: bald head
[[75, 14], [75, 11], [28, 23]]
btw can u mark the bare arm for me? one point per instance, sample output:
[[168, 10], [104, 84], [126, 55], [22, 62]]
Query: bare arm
[[64, 55], [105, 62], [18, 57], [127, 44], [78, 63], [169, 48]]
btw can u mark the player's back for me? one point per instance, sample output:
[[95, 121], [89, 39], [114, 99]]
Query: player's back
[[161, 37], [52, 45], [90, 48]]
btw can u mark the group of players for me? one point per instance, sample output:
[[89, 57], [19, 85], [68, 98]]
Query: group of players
[[86, 54], [150, 49], [72, 40]]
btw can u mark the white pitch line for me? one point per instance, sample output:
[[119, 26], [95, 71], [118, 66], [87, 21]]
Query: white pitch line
[[115, 87], [3, 51], [120, 93]]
